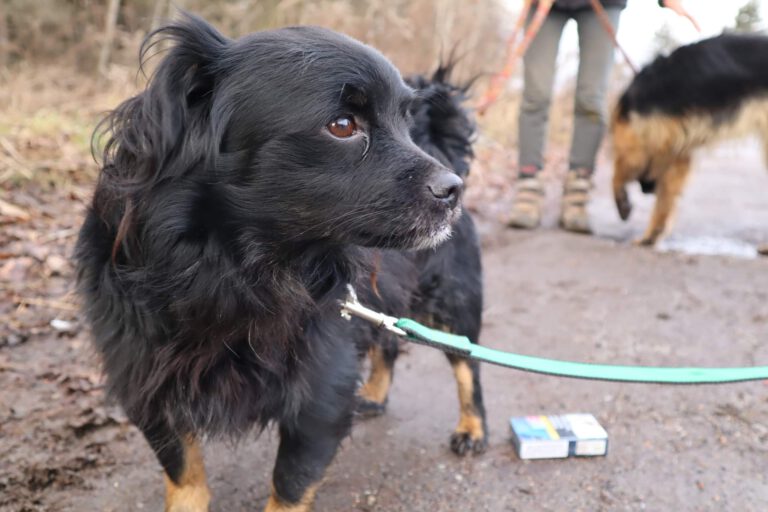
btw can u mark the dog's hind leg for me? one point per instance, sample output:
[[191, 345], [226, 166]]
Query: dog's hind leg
[[186, 489], [669, 186], [449, 297], [372, 396], [452, 300], [471, 433]]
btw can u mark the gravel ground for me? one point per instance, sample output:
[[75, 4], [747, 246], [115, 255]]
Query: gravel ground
[[548, 293]]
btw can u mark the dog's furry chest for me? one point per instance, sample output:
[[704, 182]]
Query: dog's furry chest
[[228, 385], [240, 355]]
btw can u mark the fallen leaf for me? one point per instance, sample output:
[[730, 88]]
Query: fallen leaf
[[12, 213], [64, 326], [15, 270], [56, 265]]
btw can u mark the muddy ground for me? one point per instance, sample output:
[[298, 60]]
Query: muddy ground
[[548, 293]]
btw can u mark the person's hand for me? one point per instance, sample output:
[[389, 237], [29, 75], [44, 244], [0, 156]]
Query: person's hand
[[677, 6]]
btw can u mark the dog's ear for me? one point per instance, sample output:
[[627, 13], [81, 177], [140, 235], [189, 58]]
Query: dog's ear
[[167, 130], [184, 82], [170, 119]]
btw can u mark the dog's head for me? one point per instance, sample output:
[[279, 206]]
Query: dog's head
[[295, 135]]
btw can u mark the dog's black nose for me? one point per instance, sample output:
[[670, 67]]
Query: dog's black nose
[[447, 187]]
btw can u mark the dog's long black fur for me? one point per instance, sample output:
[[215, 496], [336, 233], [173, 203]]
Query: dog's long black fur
[[228, 220], [712, 76]]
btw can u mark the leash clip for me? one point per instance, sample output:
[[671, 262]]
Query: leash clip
[[352, 307]]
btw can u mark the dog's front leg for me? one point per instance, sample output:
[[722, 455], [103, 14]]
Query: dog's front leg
[[669, 187], [305, 452], [189, 491], [309, 442], [186, 489]]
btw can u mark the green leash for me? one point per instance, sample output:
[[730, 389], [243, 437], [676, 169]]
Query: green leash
[[460, 345]]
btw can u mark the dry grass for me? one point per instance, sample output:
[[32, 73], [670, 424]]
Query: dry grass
[[55, 99], [47, 119]]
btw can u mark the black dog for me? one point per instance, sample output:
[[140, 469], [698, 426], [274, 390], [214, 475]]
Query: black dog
[[240, 193]]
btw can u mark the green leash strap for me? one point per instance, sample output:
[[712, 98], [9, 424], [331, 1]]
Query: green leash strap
[[460, 345]]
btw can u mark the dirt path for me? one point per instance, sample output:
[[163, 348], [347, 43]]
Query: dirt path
[[548, 293]]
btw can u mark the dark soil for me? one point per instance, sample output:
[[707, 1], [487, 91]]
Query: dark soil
[[600, 299]]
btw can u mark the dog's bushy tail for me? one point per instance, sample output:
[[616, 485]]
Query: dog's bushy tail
[[443, 126], [163, 132]]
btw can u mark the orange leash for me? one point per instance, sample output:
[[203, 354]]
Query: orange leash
[[602, 16], [515, 52]]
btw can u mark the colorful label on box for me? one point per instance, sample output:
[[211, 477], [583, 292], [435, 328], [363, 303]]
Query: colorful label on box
[[539, 437]]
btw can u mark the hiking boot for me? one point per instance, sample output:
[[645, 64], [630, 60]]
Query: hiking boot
[[527, 205], [573, 214]]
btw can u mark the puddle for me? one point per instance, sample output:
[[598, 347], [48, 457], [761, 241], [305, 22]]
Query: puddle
[[709, 246]]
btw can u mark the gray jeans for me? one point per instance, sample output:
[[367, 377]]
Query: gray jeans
[[595, 63]]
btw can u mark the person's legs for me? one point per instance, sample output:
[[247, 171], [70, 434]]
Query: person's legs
[[595, 65], [539, 73]]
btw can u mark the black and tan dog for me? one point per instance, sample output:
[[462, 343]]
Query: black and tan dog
[[240, 194], [702, 93]]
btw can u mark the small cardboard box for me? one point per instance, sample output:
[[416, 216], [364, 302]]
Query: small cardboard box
[[558, 437]]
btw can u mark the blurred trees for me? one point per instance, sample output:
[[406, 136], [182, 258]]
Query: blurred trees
[[414, 33], [748, 17], [664, 41]]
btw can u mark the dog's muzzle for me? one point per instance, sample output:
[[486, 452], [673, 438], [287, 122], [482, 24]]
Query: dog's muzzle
[[446, 187]]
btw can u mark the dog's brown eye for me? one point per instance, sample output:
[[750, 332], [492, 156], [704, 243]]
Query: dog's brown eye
[[343, 127]]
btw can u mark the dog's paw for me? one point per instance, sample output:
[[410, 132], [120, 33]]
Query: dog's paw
[[646, 241], [623, 204], [625, 209], [365, 408], [463, 443]]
